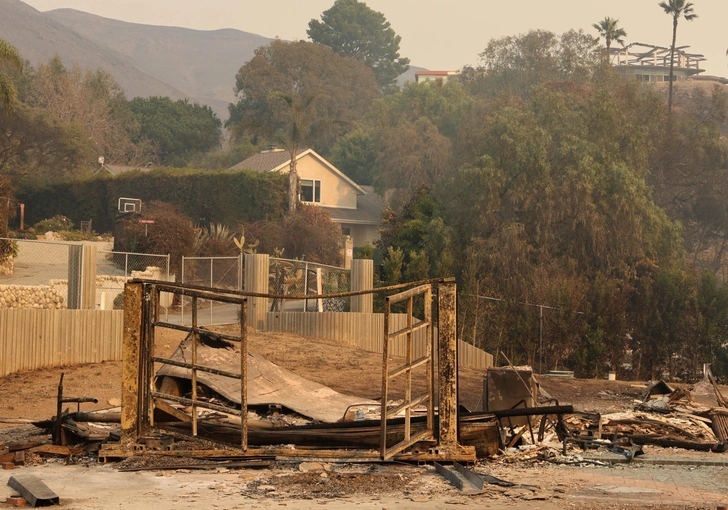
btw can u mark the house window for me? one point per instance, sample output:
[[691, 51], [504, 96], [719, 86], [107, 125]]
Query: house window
[[310, 190]]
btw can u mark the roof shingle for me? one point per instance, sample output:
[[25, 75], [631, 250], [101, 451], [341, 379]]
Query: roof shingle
[[264, 161]]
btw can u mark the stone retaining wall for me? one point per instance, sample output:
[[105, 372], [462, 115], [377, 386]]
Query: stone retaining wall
[[39, 296], [7, 267], [55, 295]]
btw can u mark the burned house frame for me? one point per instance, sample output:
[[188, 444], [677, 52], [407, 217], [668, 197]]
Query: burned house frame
[[432, 437]]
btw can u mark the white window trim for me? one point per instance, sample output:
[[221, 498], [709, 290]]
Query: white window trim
[[313, 184]]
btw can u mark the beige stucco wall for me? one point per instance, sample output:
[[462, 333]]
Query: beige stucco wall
[[335, 191], [361, 234]]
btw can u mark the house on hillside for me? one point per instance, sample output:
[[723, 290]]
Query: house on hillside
[[650, 63], [356, 208], [424, 76]]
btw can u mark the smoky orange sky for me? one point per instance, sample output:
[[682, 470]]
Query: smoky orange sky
[[436, 34]]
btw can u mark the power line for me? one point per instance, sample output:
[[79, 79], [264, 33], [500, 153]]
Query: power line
[[540, 322]]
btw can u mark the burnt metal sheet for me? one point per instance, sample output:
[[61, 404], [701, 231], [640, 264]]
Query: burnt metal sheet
[[267, 382], [460, 479], [33, 490]]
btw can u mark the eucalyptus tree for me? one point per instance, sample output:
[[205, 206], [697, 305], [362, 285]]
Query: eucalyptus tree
[[352, 29], [608, 29], [676, 9]]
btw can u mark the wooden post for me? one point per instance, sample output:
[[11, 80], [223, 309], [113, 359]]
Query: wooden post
[[130, 367], [362, 278], [88, 277], [256, 280], [75, 290], [448, 365], [81, 277]]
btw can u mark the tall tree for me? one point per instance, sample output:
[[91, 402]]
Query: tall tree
[[176, 129], [608, 29], [352, 29], [517, 63], [299, 94], [94, 101], [8, 56], [676, 9]]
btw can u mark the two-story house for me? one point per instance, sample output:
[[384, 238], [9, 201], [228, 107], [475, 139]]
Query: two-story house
[[356, 208]]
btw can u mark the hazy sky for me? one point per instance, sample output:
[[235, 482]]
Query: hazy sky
[[436, 34]]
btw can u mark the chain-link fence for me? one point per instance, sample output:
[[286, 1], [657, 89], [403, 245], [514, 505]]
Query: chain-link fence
[[217, 272], [297, 277], [63, 274], [114, 268], [286, 277], [37, 274]]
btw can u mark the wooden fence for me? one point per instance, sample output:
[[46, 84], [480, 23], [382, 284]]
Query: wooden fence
[[32, 339], [365, 330]]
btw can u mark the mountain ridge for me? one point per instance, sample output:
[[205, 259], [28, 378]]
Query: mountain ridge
[[38, 38], [146, 60], [200, 62]]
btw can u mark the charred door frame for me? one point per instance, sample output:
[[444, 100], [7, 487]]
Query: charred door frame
[[138, 350], [406, 369]]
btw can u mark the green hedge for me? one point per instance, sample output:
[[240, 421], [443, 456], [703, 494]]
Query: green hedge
[[227, 197]]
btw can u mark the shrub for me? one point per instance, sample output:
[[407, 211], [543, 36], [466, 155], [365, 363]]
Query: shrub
[[171, 233], [7, 249], [55, 224], [215, 240], [225, 197], [306, 233]]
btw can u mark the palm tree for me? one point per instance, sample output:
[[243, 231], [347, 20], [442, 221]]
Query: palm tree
[[294, 134], [676, 9], [8, 55], [608, 29]]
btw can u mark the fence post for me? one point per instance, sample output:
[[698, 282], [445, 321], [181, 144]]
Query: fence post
[[319, 291], [362, 278], [81, 277], [88, 278], [257, 267], [305, 287], [240, 272], [131, 360], [74, 276], [447, 345], [182, 298]]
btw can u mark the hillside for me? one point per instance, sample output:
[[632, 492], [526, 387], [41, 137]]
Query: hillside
[[202, 63], [39, 37], [146, 60]]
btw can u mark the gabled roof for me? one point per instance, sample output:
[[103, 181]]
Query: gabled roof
[[264, 161], [280, 160]]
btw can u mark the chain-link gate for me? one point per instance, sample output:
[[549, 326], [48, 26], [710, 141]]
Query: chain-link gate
[[299, 277], [286, 277], [115, 268], [225, 273]]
